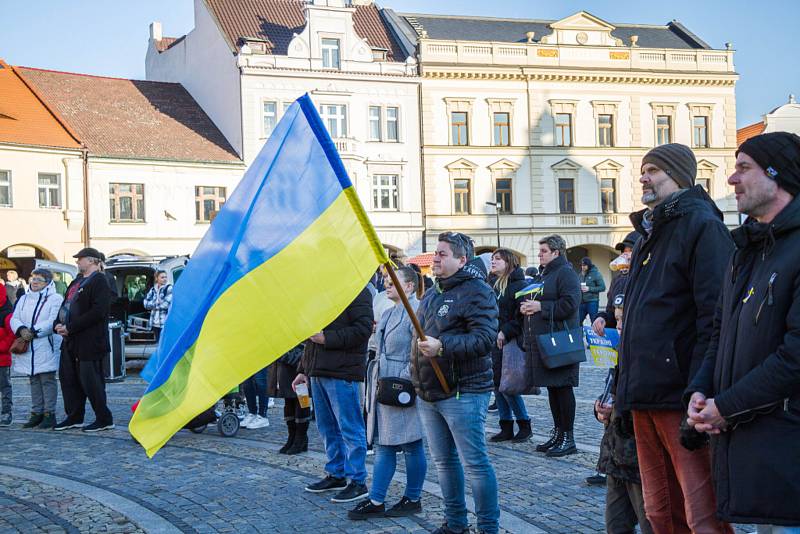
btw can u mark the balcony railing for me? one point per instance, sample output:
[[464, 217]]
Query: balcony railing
[[587, 220]]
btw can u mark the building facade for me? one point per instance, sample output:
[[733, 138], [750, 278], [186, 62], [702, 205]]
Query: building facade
[[785, 118], [245, 63]]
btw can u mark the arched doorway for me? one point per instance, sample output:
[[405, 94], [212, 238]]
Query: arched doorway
[[601, 256], [22, 259]]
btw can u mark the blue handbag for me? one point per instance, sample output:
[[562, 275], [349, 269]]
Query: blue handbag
[[561, 348]]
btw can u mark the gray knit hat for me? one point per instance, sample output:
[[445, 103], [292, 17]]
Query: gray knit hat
[[676, 160]]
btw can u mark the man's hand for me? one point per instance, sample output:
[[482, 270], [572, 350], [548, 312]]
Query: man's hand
[[599, 326], [318, 338], [61, 330], [584, 289], [299, 379], [501, 340], [529, 307], [430, 347], [603, 412], [704, 415]]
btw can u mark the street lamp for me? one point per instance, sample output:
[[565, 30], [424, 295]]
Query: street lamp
[[497, 207]]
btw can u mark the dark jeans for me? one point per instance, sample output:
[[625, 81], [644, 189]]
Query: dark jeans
[[625, 507], [81, 380], [5, 389], [590, 309], [562, 407], [255, 389]]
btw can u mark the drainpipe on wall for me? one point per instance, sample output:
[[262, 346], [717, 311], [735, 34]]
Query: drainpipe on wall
[[85, 232], [422, 164]]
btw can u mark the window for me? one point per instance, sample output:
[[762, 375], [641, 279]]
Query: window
[[502, 123], [270, 117], [392, 125], [503, 194], [126, 202], [563, 129], [335, 118], [458, 126], [566, 195], [605, 130], [705, 175], [608, 195], [663, 133], [207, 202], [330, 54], [374, 123], [705, 183], [384, 192], [5, 189], [49, 190], [461, 197], [700, 131]]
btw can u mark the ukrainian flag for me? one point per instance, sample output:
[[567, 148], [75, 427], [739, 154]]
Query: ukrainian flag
[[287, 253]]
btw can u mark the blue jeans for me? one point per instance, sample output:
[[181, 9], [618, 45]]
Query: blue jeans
[[590, 309], [255, 389], [508, 404], [455, 429], [337, 404], [386, 463]]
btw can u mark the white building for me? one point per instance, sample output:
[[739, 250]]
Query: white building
[[552, 118], [245, 62], [785, 118]]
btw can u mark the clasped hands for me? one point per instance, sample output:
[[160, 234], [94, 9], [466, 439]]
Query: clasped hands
[[704, 416]]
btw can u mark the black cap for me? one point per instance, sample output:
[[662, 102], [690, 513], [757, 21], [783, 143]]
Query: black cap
[[778, 153], [629, 241], [89, 252]]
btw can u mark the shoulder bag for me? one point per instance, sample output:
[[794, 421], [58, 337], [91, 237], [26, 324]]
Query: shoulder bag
[[561, 348]]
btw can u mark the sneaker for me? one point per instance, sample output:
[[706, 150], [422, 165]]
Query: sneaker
[[258, 422], [329, 483], [404, 508], [245, 422], [596, 480], [34, 421], [5, 419], [67, 424], [365, 509], [353, 492], [445, 530], [97, 427], [493, 407]]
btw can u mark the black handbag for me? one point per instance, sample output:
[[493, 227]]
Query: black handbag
[[393, 391], [562, 348]]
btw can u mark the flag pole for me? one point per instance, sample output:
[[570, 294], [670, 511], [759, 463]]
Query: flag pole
[[417, 326]]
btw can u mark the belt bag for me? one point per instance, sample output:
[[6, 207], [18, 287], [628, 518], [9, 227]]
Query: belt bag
[[562, 348], [394, 391]]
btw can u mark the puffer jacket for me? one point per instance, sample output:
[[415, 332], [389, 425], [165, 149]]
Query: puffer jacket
[[594, 281], [6, 336], [752, 370], [44, 351], [461, 312], [674, 282]]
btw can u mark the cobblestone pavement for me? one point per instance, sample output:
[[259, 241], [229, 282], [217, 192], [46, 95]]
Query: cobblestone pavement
[[74, 482]]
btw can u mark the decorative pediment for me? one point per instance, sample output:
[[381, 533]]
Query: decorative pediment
[[461, 164], [582, 28], [705, 164], [608, 164], [565, 165], [582, 20], [503, 165]]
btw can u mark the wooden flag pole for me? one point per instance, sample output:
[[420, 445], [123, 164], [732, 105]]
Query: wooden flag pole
[[418, 327]]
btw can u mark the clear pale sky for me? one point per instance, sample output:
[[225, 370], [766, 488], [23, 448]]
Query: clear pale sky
[[109, 37]]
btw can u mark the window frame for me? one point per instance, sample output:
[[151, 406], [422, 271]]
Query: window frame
[[562, 209], [329, 48], [705, 130], [48, 188], [559, 130], [604, 195], [264, 102], [200, 197], [459, 125], [393, 189], [396, 121], [373, 121], [342, 119], [608, 129], [116, 197], [7, 183], [659, 129], [497, 127], [461, 192], [506, 205]]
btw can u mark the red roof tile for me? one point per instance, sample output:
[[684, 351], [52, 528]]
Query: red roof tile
[[743, 134], [423, 260], [131, 118], [276, 21], [168, 42]]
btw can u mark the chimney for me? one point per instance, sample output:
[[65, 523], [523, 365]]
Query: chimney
[[530, 36], [155, 31]]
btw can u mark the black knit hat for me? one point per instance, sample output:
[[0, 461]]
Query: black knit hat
[[676, 160], [629, 241], [778, 153]]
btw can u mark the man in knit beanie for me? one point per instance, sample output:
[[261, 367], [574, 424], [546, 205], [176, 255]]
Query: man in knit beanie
[[676, 271], [747, 392]]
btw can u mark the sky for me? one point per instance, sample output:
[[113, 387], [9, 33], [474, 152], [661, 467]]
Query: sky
[[109, 37]]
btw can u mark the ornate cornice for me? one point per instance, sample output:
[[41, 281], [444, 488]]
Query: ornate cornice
[[643, 78]]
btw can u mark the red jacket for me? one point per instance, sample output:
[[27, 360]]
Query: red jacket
[[6, 335]]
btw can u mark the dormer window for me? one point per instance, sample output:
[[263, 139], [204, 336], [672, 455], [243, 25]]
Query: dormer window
[[379, 54], [330, 54]]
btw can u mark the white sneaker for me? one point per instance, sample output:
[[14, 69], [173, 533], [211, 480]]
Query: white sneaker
[[258, 422], [247, 421]]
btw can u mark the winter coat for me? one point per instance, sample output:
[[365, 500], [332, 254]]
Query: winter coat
[[86, 318], [6, 337], [158, 302], [44, 351], [618, 456], [560, 298], [675, 278], [344, 354], [282, 373], [461, 312], [392, 425], [752, 370], [509, 318], [616, 289], [594, 281]]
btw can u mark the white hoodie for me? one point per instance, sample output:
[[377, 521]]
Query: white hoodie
[[45, 349]]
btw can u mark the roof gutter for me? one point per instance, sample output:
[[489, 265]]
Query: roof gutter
[[85, 232]]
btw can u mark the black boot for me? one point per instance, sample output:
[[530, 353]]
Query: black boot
[[564, 447], [506, 432], [300, 443], [524, 433], [555, 437], [35, 420], [290, 425]]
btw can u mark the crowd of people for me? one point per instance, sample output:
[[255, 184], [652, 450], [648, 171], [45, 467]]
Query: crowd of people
[[709, 353]]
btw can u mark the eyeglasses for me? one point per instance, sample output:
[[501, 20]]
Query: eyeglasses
[[40, 280]]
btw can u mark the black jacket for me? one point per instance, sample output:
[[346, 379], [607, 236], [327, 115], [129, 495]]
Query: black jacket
[[752, 370], [509, 318], [616, 289], [674, 282], [87, 321], [344, 354], [561, 298], [461, 312]]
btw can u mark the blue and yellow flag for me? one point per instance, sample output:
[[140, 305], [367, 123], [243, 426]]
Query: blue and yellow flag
[[287, 253], [533, 289]]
